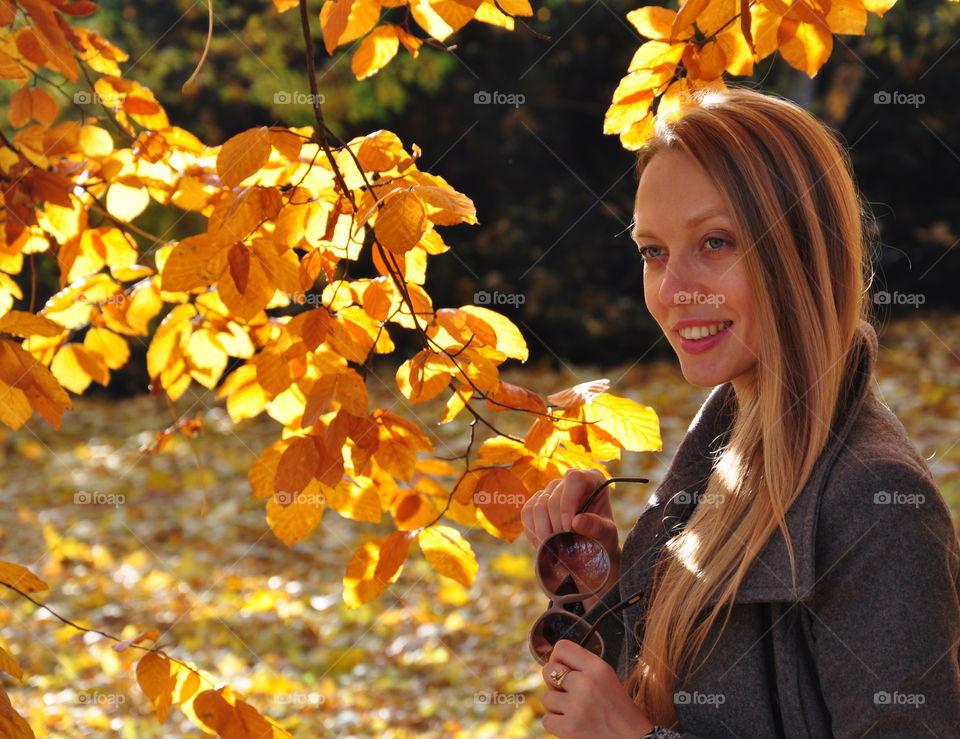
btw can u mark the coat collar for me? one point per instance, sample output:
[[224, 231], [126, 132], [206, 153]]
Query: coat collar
[[769, 577]]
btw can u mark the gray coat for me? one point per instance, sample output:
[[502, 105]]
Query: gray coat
[[865, 642]]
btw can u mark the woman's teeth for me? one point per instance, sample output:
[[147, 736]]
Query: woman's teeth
[[701, 332]]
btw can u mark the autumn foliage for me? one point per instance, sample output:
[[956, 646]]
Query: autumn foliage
[[272, 281]]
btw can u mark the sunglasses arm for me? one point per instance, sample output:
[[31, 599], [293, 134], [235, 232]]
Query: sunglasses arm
[[614, 609]]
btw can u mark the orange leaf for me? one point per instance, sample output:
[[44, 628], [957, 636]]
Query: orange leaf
[[243, 155], [9, 665], [420, 380], [374, 566], [585, 392], [20, 578], [32, 102], [402, 221], [232, 717], [47, 27], [12, 725], [449, 553], [653, 21], [500, 495], [297, 465], [805, 40], [375, 52], [157, 677], [686, 16], [380, 151]]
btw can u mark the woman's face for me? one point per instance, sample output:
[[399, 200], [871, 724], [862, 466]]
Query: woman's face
[[694, 276]]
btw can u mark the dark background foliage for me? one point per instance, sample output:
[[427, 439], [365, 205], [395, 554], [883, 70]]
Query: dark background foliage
[[554, 194]]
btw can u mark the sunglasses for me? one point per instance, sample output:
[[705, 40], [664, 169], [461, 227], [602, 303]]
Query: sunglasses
[[571, 567]]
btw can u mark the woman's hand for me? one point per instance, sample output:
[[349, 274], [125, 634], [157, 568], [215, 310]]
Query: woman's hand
[[590, 701], [555, 509]]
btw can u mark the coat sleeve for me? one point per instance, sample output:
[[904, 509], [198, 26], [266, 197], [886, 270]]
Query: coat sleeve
[[885, 618]]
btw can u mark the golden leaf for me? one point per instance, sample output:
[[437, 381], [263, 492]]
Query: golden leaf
[[375, 52], [243, 155], [32, 102], [623, 422], [585, 392], [374, 566], [20, 578], [401, 222], [449, 553]]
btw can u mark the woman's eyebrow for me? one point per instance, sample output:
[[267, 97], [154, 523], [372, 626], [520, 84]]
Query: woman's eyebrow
[[638, 233]]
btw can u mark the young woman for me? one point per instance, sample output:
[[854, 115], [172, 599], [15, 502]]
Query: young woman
[[799, 570]]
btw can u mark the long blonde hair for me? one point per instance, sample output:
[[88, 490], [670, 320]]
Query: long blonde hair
[[789, 187]]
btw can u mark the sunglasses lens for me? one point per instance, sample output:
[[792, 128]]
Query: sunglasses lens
[[569, 555], [554, 626]]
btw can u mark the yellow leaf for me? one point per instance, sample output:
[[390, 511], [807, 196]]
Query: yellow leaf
[[292, 517], [126, 202], [21, 371], [346, 20], [623, 422], [21, 323], [420, 380], [193, 263], [374, 566], [456, 403], [358, 502], [654, 22], [243, 155], [110, 346], [245, 397], [376, 51], [804, 39], [509, 339], [847, 16], [20, 578], [446, 206], [449, 553], [688, 13], [75, 367], [879, 6]]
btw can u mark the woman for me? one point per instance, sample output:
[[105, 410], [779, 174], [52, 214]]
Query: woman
[[800, 570]]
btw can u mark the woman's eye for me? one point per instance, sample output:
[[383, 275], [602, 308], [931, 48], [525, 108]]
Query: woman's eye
[[716, 242], [650, 252]]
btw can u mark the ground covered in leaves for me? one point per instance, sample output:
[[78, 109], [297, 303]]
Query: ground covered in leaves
[[120, 538]]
